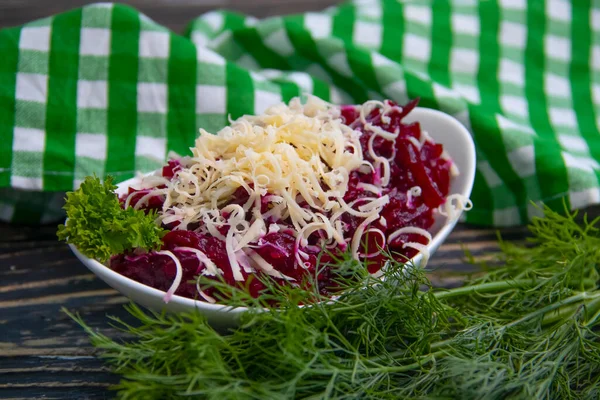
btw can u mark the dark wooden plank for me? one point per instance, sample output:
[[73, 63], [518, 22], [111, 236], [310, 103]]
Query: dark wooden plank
[[174, 14], [55, 377], [77, 391]]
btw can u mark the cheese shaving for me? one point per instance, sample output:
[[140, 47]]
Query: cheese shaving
[[415, 142], [262, 264], [230, 245], [359, 233], [205, 296], [381, 247], [369, 188], [414, 191], [178, 275], [211, 268], [454, 205], [410, 229], [421, 248]]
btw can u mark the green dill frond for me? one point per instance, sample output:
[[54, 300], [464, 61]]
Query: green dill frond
[[529, 329]]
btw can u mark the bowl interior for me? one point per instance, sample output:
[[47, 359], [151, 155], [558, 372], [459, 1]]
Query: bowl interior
[[441, 127]]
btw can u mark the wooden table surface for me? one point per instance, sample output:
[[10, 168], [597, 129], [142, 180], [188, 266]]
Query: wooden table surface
[[43, 354]]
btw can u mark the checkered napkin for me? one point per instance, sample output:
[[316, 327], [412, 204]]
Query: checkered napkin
[[105, 90]]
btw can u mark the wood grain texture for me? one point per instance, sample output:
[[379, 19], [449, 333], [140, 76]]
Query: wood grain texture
[[43, 354], [174, 14]]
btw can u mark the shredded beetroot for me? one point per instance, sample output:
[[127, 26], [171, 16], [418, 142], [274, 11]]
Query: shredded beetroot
[[171, 168], [411, 166], [155, 203]]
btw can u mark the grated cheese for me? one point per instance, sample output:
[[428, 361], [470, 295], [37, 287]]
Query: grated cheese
[[211, 268], [291, 155], [410, 229], [178, 275], [381, 248], [262, 264], [297, 159], [358, 234], [420, 247], [414, 191], [205, 296], [455, 203]]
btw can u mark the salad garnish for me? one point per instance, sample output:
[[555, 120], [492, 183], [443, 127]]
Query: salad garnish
[[99, 227]]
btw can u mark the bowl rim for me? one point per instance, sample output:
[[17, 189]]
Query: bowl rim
[[108, 275]]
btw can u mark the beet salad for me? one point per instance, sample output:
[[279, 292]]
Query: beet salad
[[278, 193]]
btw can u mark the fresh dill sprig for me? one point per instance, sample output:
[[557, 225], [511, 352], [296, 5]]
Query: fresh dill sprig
[[526, 330]]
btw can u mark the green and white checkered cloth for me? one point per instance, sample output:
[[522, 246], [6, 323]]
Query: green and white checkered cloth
[[105, 90]]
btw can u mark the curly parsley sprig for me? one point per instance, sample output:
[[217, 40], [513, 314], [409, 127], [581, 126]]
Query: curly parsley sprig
[[99, 227]]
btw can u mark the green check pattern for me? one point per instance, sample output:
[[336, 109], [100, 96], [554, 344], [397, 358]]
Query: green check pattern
[[105, 90]]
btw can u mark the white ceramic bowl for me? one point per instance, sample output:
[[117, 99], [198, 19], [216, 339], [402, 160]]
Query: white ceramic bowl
[[441, 127]]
